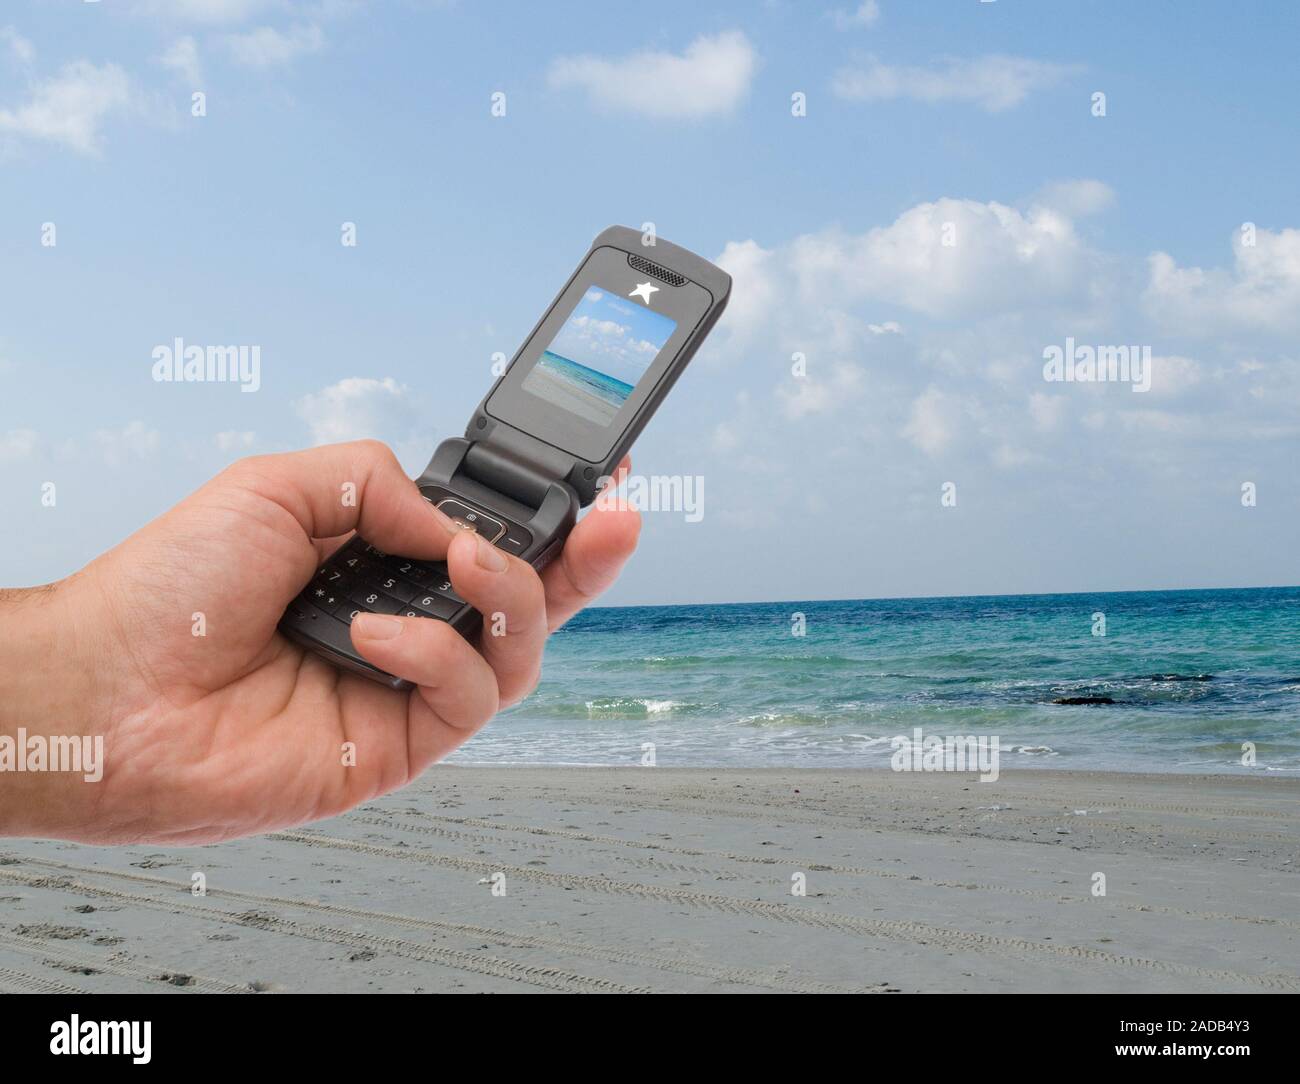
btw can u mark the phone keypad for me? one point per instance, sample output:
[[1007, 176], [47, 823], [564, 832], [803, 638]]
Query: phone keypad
[[361, 578], [324, 599]]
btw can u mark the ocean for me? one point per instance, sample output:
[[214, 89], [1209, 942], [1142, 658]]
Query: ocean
[[605, 387], [1179, 681]]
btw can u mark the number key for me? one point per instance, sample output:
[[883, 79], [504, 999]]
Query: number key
[[373, 601], [334, 576], [442, 585], [325, 598], [399, 589], [436, 605], [412, 570]]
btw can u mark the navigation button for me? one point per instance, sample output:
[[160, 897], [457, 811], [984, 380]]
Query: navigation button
[[472, 519]]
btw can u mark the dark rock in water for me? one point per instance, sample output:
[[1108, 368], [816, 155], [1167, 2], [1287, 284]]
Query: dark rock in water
[[1083, 700], [1180, 677]]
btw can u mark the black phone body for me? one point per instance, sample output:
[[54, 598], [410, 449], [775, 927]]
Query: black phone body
[[556, 423]]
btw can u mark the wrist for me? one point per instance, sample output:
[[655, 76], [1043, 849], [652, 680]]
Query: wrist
[[52, 748]]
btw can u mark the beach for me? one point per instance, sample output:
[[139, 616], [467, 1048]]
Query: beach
[[494, 878], [555, 380]]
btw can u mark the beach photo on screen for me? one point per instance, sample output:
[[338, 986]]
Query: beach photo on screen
[[603, 349]]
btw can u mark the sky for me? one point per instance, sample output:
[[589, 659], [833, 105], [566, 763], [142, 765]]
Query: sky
[[613, 336], [917, 203]]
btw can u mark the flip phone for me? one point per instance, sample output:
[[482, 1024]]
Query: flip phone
[[557, 421]]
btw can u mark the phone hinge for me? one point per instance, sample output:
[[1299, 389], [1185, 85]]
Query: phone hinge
[[507, 473]]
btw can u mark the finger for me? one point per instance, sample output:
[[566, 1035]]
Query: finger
[[338, 488], [327, 547], [457, 691], [620, 474], [509, 595], [593, 555]]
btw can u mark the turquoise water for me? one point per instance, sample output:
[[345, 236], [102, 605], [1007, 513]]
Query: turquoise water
[[1192, 675], [602, 385]]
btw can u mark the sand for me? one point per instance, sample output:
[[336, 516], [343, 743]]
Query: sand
[[659, 879], [562, 393]]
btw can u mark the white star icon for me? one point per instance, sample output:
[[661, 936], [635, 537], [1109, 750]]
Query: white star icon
[[644, 290]]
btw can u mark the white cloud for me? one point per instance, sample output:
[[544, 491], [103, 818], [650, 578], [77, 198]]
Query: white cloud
[[754, 271], [135, 441], [356, 408], [933, 421], [17, 445], [1046, 410], [70, 108], [267, 47], [999, 258], [965, 382], [725, 437], [182, 57], [233, 439], [864, 15], [992, 82], [1077, 199], [599, 327], [712, 76], [1260, 292], [19, 47], [1172, 374], [817, 394]]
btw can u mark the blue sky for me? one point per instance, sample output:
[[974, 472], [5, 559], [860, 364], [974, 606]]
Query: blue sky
[[967, 121]]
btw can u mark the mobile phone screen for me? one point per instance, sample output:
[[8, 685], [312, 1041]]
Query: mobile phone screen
[[599, 355]]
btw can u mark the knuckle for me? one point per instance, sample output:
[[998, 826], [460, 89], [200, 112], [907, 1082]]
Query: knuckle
[[375, 451], [522, 688], [248, 472], [532, 589], [519, 601]]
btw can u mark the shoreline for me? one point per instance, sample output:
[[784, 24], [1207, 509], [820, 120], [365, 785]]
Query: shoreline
[[670, 879], [1278, 774]]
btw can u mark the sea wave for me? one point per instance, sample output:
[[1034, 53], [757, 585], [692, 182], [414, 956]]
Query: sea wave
[[624, 707], [784, 718]]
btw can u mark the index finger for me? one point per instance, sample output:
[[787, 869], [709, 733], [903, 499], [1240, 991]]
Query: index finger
[[337, 488], [593, 556]]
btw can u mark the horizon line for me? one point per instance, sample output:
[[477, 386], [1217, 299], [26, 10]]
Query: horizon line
[[931, 598]]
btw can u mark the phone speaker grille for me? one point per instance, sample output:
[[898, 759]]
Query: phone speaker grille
[[643, 265]]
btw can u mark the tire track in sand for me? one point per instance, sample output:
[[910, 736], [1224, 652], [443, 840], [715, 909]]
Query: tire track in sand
[[821, 867], [894, 929], [15, 982], [115, 964], [545, 977], [608, 953]]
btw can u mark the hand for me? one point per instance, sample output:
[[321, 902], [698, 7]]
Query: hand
[[237, 731]]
